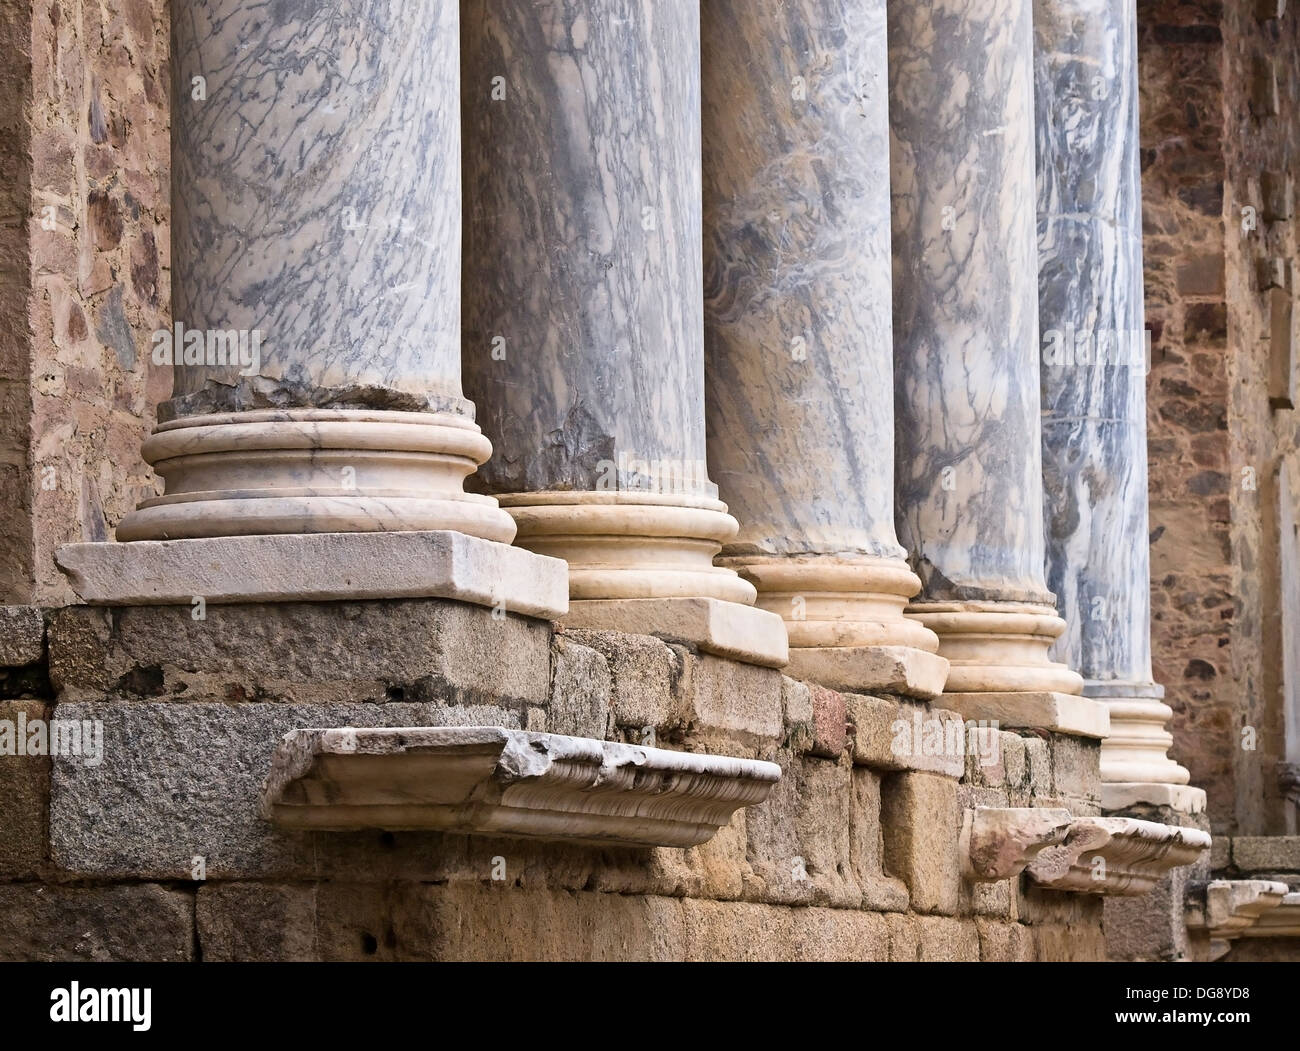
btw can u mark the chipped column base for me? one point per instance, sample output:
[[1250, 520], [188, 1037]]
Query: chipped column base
[[1062, 713], [318, 567], [1116, 855], [724, 629], [494, 781], [1121, 795], [998, 843]]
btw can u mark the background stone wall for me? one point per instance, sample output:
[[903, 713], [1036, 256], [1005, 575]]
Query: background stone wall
[[83, 274], [1218, 145]]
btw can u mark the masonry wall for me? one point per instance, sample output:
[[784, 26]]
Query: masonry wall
[[159, 850], [1219, 130], [83, 274]]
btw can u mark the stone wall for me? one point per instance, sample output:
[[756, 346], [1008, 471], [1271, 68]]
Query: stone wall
[[1219, 242], [158, 851], [83, 262]]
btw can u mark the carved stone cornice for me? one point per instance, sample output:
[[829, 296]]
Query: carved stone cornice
[[494, 781], [997, 843], [1280, 922], [1228, 908], [1116, 855]]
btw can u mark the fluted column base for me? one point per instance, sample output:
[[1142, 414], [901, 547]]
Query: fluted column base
[[642, 562], [998, 647], [315, 471], [845, 620]]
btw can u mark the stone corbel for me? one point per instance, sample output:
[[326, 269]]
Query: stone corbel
[[1228, 909], [998, 843], [1116, 855], [488, 780], [1280, 922]]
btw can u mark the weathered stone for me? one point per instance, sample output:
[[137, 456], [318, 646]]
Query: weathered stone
[[132, 922], [731, 697], [922, 825], [867, 847], [257, 922], [873, 720], [412, 650], [1266, 853], [581, 692], [948, 939], [1076, 767], [1003, 942], [22, 635], [24, 798], [830, 722], [182, 781], [646, 673]]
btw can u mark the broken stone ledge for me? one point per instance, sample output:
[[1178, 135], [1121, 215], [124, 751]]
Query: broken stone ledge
[[494, 781], [1116, 855], [1228, 909]]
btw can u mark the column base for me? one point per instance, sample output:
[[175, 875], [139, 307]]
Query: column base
[[1136, 752], [998, 647], [1062, 713], [642, 562], [315, 471], [845, 620], [317, 567], [1121, 795], [724, 629]]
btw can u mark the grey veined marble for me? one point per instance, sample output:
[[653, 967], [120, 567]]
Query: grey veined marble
[[316, 203], [583, 328], [797, 274], [969, 484], [1093, 344]]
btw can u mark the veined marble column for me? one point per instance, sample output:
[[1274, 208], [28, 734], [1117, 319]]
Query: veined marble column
[[316, 340], [583, 341], [969, 473], [1094, 382], [798, 334], [315, 277]]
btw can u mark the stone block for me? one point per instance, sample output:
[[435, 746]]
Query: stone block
[[581, 692], [182, 781], [922, 825], [22, 635], [302, 652], [830, 723], [645, 674], [731, 698], [946, 939], [1266, 853], [130, 923], [24, 795], [1003, 942], [1076, 767]]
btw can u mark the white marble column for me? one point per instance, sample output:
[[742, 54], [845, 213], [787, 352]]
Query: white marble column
[[316, 277], [969, 472], [583, 337], [797, 317], [316, 216], [1093, 373]]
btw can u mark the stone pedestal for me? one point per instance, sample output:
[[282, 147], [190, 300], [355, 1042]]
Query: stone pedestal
[[968, 464], [798, 338], [583, 340], [316, 279], [1093, 374]]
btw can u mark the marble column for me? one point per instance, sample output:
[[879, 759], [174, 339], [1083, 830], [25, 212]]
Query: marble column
[[315, 277], [315, 346], [969, 471], [583, 325], [798, 337], [1093, 378]]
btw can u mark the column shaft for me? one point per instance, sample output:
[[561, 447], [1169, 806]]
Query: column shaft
[[1094, 370], [583, 340], [798, 331], [969, 481]]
